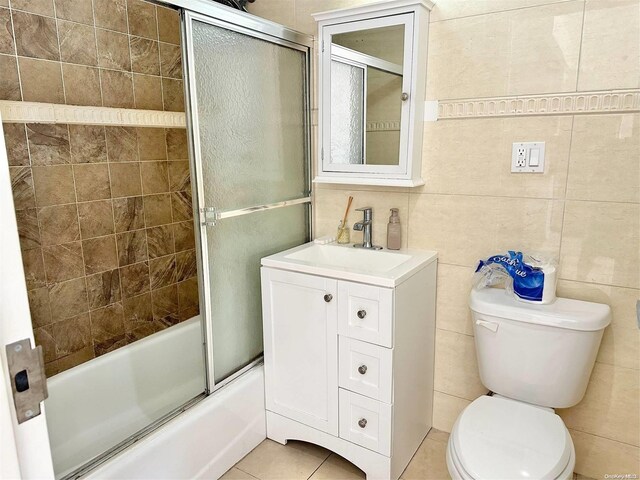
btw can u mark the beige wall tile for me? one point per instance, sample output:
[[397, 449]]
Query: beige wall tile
[[279, 11], [597, 456], [446, 409], [9, 83], [600, 243], [304, 8], [453, 289], [464, 229], [41, 81], [448, 9], [611, 406], [35, 36], [82, 85], [496, 54], [481, 163], [604, 161], [332, 204], [610, 46], [621, 340], [456, 368]]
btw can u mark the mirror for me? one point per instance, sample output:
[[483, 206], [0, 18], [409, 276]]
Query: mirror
[[366, 96]]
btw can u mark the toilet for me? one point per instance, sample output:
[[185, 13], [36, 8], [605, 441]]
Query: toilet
[[533, 358]]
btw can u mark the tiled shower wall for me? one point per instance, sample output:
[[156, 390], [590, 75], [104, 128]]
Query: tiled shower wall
[[584, 210], [104, 213]]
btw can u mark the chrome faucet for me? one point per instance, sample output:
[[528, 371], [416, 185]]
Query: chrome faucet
[[365, 227]]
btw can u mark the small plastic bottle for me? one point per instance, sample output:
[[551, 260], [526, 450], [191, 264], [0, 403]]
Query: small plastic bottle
[[394, 232]]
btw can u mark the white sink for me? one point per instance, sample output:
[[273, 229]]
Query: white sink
[[378, 267]]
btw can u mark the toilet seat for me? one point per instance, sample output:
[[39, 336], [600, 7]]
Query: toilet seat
[[501, 438]]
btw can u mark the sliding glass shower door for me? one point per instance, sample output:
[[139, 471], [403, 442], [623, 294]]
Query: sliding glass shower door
[[249, 116]]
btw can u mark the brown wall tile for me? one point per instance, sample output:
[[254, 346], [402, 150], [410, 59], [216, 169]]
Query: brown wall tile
[[122, 144], [180, 176], [99, 254], [170, 60], [177, 144], [80, 11], [88, 144], [48, 144], [168, 25], [35, 36], [155, 177], [173, 95], [76, 358], [6, 32], [39, 306], [148, 92], [77, 43], [41, 7], [128, 214], [113, 50], [103, 289], [132, 247], [186, 266], [96, 218], [41, 81], [144, 56], [53, 185], [15, 138], [68, 299], [28, 229], [33, 268], [117, 89], [162, 271], [92, 181], [107, 328], [82, 85], [9, 83], [181, 206], [165, 305], [44, 337], [111, 14], [138, 317], [151, 144], [160, 241], [142, 19], [71, 334], [63, 262], [157, 209], [184, 236], [135, 279], [125, 179], [22, 187], [188, 300], [58, 224]]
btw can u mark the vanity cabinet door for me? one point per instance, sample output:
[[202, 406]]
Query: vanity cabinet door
[[301, 347]]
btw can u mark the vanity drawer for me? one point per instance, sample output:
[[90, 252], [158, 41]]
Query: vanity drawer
[[365, 421], [366, 369], [365, 312]]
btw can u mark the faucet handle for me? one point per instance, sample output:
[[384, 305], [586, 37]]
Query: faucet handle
[[364, 209]]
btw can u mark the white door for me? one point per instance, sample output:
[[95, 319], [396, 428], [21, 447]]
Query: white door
[[24, 448], [301, 347]]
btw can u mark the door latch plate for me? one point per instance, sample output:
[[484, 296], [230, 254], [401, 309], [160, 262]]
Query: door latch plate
[[28, 380]]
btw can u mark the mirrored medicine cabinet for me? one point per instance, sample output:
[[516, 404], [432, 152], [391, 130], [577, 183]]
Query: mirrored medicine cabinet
[[371, 83]]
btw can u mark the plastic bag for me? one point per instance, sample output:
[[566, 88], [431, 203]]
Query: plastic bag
[[528, 277]]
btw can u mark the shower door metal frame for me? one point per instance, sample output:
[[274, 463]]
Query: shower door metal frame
[[227, 18]]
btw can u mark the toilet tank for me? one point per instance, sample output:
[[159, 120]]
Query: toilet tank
[[539, 354]]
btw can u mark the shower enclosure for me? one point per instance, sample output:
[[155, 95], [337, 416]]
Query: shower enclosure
[[187, 245]]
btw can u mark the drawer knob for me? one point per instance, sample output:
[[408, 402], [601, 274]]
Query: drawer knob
[[362, 369], [328, 297], [362, 314], [362, 422]]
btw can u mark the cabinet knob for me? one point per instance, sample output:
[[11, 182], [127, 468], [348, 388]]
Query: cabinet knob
[[404, 96], [362, 369], [362, 422], [328, 297], [362, 314]]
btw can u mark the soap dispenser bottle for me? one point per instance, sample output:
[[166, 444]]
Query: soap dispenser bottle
[[394, 232]]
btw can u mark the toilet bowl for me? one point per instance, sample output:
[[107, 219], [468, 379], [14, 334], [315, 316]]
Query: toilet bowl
[[499, 438]]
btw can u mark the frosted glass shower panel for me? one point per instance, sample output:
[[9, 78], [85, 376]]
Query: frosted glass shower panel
[[238, 244], [251, 118], [347, 113]]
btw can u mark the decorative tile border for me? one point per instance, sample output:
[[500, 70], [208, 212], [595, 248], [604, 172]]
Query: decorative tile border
[[383, 126], [612, 101], [33, 112]]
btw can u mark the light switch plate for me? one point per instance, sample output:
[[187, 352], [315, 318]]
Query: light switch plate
[[527, 157]]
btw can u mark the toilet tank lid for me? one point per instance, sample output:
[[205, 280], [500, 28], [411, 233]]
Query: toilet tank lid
[[563, 313]]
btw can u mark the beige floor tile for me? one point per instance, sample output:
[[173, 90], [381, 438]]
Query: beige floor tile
[[429, 462], [438, 435], [337, 468], [296, 460], [446, 409], [236, 474]]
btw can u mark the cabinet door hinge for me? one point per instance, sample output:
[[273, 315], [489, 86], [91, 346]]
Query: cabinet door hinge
[[28, 381], [209, 216]]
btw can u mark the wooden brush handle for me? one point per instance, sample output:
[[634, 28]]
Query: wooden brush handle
[[346, 212]]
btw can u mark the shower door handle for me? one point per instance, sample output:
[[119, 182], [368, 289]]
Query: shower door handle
[[28, 380]]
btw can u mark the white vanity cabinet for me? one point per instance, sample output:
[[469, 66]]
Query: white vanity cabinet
[[349, 365]]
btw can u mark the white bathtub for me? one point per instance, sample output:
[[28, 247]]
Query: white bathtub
[[96, 405]]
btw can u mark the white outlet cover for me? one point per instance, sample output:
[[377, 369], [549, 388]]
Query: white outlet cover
[[522, 160]]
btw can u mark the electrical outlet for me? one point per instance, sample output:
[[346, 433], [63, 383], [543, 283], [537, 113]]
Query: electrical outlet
[[527, 157]]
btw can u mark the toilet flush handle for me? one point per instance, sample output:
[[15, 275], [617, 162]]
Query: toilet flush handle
[[493, 326]]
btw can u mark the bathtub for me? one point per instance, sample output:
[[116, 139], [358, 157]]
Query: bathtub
[[96, 405]]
